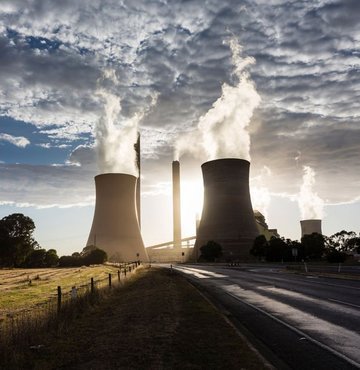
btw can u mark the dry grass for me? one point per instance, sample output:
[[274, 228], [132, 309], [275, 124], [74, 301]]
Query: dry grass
[[156, 321], [19, 295]]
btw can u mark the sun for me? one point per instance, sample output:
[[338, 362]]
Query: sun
[[191, 206]]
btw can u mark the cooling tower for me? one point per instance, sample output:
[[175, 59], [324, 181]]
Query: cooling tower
[[310, 226], [176, 203], [115, 227], [227, 215]]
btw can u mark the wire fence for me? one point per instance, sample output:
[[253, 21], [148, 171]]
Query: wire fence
[[62, 305]]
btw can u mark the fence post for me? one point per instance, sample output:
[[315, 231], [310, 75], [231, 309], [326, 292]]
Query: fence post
[[109, 280], [92, 285], [59, 298], [118, 276]]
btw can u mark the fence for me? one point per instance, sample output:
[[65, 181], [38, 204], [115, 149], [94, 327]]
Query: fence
[[63, 304], [124, 270]]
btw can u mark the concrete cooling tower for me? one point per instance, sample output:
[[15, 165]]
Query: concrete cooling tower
[[227, 215], [310, 226], [115, 227]]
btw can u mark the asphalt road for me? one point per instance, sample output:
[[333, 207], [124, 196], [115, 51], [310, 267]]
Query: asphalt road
[[297, 322]]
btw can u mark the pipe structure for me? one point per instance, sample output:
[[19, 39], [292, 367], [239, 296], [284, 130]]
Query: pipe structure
[[227, 216], [176, 204], [115, 227], [310, 226]]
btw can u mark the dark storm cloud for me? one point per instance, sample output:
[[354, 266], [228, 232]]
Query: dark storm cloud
[[306, 71]]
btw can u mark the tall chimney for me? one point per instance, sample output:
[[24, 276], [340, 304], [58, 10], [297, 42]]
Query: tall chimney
[[138, 186], [115, 227], [176, 203], [310, 226], [227, 216]]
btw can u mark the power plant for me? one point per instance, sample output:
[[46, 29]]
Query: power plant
[[310, 226], [115, 227], [176, 204], [227, 215]]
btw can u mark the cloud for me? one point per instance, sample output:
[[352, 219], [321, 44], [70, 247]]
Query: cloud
[[46, 185], [306, 72], [18, 141]]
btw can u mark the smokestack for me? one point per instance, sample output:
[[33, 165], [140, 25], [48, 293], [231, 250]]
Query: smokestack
[[310, 226], [138, 187], [115, 227], [176, 203], [227, 215]]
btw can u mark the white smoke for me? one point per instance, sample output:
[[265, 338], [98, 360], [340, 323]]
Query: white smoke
[[116, 135], [223, 131], [310, 204]]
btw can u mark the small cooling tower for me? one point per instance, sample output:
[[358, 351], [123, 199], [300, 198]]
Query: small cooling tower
[[310, 226], [115, 227], [176, 204], [227, 215]]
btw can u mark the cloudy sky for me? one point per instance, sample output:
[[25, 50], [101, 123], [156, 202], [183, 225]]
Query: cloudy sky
[[80, 76]]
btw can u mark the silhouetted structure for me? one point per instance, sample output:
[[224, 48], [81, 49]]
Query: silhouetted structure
[[138, 182], [310, 226], [115, 227], [227, 215], [176, 204]]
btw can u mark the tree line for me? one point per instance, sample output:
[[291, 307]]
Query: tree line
[[18, 248], [335, 248]]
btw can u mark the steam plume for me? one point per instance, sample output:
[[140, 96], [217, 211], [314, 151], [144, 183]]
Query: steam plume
[[222, 131], [310, 204], [116, 134]]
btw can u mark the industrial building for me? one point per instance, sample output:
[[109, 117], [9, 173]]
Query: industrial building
[[115, 227], [227, 216]]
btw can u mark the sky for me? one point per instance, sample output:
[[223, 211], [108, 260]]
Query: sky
[[272, 81]]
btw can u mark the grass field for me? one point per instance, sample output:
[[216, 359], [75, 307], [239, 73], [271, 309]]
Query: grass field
[[157, 320], [23, 289]]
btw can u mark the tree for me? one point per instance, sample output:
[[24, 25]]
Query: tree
[[291, 245], [313, 245], [335, 256], [353, 245], [341, 241], [259, 247], [277, 250], [89, 256], [87, 250], [36, 258], [95, 257], [211, 251], [51, 258], [16, 240]]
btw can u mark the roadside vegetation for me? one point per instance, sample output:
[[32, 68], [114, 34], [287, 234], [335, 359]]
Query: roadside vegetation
[[336, 248], [18, 248], [156, 321]]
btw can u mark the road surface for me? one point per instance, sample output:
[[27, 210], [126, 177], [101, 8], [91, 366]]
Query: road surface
[[296, 321]]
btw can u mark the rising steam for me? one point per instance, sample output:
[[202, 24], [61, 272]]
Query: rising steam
[[222, 131], [310, 204], [116, 134]]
